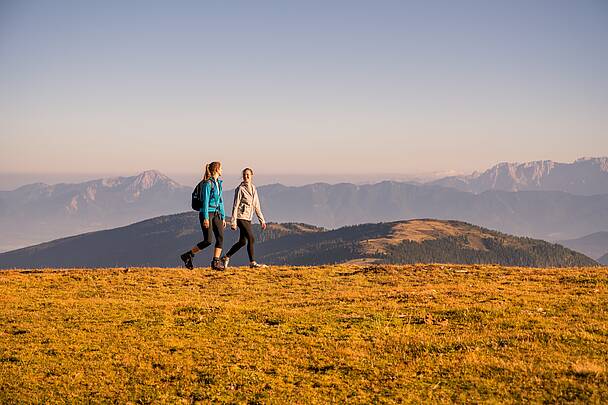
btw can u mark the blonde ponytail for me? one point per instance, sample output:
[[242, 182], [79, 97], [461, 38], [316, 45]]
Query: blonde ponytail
[[211, 169]]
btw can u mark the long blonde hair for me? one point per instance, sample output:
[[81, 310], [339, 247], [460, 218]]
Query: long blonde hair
[[211, 169]]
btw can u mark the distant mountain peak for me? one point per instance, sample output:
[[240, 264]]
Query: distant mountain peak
[[602, 162], [140, 182], [32, 186], [149, 178], [586, 176], [515, 166], [152, 174], [590, 158]]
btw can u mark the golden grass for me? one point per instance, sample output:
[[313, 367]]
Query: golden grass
[[418, 230], [344, 333]]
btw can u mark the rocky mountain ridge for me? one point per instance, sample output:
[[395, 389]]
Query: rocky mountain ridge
[[584, 176]]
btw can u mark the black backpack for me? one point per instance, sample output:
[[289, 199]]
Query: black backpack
[[197, 197], [197, 201]]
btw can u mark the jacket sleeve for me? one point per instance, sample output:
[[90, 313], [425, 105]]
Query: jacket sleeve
[[257, 208], [221, 204], [235, 205], [205, 196]]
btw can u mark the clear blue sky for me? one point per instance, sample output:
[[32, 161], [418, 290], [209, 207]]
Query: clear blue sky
[[328, 87]]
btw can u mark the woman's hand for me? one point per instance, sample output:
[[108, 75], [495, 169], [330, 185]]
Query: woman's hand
[[233, 226], [224, 223], [206, 223], [263, 225]]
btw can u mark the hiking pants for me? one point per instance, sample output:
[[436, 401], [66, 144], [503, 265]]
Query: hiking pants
[[245, 236], [215, 224]]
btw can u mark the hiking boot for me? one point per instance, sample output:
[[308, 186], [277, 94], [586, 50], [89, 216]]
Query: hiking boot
[[187, 258], [256, 265], [225, 260], [216, 264]]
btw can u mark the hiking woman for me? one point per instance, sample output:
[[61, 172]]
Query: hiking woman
[[246, 201], [211, 216]]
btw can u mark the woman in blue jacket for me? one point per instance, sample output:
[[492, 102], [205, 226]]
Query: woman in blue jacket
[[211, 216]]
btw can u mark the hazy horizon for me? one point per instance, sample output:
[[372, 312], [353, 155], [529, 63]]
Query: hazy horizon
[[11, 181]]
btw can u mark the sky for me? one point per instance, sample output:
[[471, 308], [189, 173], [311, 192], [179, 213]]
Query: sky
[[307, 90]]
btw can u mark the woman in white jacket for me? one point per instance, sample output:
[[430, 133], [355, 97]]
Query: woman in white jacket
[[246, 201]]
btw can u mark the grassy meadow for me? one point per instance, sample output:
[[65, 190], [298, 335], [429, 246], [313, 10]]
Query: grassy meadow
[[343, 333]]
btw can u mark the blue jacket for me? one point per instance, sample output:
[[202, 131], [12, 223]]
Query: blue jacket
[[211, 196]]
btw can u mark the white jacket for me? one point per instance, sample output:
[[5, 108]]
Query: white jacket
[[245, 203]]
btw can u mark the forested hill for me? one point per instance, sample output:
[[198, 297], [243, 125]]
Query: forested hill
[[159, 241], [153, 242], [424, 241]]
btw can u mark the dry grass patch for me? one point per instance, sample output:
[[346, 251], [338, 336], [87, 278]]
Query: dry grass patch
[[422, 230], [337, 334]]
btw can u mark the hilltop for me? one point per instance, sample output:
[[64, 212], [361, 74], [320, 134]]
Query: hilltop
[[159, 241], [331, 334], [424, 241]]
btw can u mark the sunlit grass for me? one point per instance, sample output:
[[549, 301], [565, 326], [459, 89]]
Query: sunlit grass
[[305, 335]]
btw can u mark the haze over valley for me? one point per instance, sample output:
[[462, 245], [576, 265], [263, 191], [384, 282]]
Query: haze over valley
[[543, 199]]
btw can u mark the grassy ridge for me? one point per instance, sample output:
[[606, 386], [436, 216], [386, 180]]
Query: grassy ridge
[[305, 334]]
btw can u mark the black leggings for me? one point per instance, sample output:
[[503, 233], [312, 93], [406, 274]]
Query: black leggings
[[245, 236], [215, 223]]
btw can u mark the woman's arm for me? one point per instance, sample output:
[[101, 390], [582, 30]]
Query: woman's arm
[[256, 206], [221, 203], [205, 195], [235, 206]]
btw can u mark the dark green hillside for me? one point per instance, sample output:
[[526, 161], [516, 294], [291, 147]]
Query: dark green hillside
[[159, 241], [425, 241], [531, 253], [154, 242]]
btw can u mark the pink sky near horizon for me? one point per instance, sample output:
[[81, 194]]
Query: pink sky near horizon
[[301, 92]]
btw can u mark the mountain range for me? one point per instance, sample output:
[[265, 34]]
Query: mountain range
[[159, 241], [549, 215], [39, 212], [543, 199], [585, 176]]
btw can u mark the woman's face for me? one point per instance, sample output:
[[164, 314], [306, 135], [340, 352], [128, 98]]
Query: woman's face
[[247, 176], [219, 170]]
